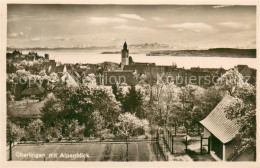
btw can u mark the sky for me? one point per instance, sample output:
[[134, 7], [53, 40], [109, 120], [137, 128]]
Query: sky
[[199, 26]]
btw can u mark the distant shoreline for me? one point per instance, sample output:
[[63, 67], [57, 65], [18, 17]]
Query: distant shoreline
[[214, 52]]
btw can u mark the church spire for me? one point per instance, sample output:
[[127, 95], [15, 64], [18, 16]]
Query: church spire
[[124, 55], [125, 45]]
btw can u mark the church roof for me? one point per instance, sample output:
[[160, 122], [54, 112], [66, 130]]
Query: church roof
[[218, 124]]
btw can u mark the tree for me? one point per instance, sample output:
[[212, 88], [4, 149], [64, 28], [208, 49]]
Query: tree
[[35, 129], [128, 124], [75, 105], [51, 113], [192, 98], [133, 102], [14, 132], [170, 101], [10, 68], [243, 110], [74, 129], [54, 78], [164, 103], [90, 79], [117, 91], [80, 102], [42, 73], [22, 73], [52, 132], [131, 61], [105, 102], [231, 82], [98, 123]]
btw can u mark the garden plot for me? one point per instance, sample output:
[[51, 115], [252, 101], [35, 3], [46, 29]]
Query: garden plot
[[137, 151]]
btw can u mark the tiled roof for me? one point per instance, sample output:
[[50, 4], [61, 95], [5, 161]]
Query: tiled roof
[[241, 67], [26, 110], [34, 89], [52, 70], [59, 69], [218, 124]]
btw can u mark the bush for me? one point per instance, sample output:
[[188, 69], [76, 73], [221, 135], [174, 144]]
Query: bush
[[139, 131], [47, 140], [181, 130], [106, 134], [81, 137], [119, 137], [70, 138], [60, 138], [91, 137], [23, 139], [14, 131], [35, 129]]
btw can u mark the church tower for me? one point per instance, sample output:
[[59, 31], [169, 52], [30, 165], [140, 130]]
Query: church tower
[[124, 55]]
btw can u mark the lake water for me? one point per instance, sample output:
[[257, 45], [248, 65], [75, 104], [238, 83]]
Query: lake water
[[86, 56]]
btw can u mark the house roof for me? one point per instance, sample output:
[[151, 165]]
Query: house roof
[[218, 124], [119, 71], [23, 109], [67, 77], [241, 67], [34, 89], [59, 69], [52, 69]]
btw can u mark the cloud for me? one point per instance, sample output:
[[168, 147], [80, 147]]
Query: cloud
[[34, 18], [20, 35], [28, 28], [105, 20], [221, 6], [131, 16], [157, 19], [61, 39], [113, 39], [17, 18], [234, 25], [13, 18], [36, 39], [180, 30], [195, 27], [133, 28]]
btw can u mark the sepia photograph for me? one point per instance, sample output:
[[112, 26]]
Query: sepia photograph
[[131, 83]]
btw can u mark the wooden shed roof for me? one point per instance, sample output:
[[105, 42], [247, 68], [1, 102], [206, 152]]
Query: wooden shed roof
[[218, 123]]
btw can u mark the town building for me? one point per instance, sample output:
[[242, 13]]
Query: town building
[[33, 90], [110, 78], [141, 68], [248, 73]]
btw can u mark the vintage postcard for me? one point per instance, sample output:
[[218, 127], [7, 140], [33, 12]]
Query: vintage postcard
[[129, 84]]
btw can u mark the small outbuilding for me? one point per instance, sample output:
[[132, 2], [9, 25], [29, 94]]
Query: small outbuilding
[[222, 132]]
